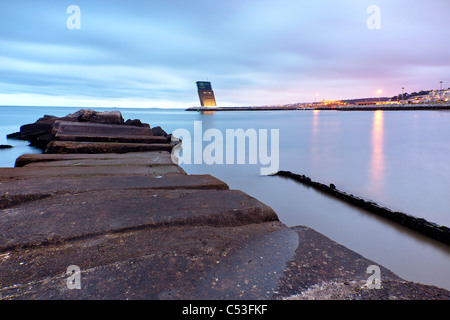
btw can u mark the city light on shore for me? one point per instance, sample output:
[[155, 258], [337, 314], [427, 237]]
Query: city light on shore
[[250, 51]]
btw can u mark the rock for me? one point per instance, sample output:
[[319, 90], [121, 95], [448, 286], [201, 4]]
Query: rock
[[106, 117], [158, 131], [31, 132], [6, 146], [77, 114], [87, 115], [47, 117], [136, 123], [14, 135], [43, 140], [42, 131]]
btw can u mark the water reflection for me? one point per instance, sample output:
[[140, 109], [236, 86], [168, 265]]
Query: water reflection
[[315, 138], [315, 122], [377, 165]]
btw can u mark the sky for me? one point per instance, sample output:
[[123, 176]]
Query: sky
[[138, 53]]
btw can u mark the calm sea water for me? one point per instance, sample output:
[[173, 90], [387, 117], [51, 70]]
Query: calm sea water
[[397, 159]]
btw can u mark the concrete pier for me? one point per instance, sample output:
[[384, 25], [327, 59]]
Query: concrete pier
[[138, 227]]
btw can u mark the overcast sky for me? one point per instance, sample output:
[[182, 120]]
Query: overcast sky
[[255, 52]]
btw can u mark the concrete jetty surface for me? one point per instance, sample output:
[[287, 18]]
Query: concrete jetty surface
[[138, 227]]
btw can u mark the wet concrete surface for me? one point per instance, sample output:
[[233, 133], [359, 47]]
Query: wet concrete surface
[[28, 187], [256, 261], [155, 158], [68, 216], [32, 173]]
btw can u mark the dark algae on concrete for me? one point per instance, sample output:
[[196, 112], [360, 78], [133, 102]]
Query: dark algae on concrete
[[138, 227]]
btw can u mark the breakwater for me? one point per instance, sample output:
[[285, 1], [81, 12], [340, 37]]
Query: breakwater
[[391, 107], [383, 107], [203, 109], [430, 229], [106, 198]]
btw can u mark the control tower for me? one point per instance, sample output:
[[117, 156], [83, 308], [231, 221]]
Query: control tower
[[206, 94]]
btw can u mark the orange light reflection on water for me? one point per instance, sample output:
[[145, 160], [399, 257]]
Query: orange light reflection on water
[[315, 138], [316, 121], [377, 164]]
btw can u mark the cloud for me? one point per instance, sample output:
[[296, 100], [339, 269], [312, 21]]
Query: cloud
[[254, 52]]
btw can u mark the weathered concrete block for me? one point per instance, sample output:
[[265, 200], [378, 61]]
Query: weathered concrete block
[[97, 163], [158, 131], [16, 192], [257, 261], [104, 147], [136, 123], [163, 263], [87, 137], [156, 157], [72, 216], [8, 174], [33, 130], [107, 117], [82, 128]]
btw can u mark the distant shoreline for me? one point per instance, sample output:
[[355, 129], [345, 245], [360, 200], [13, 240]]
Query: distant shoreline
[[388, 107], [240, 108]]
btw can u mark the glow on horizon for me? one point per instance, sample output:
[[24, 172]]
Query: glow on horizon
[[56, 101], [150, 53], [377, 162]]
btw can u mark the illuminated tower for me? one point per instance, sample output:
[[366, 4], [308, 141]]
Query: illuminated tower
[[206, 94]]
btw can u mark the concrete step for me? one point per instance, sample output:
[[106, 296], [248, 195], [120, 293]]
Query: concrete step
[[97, 162], [110, 138], [8, 174], [64, 217], [93, 129], [63, 147], [257, 261], [16, 192], [160, 263], [156, 157]]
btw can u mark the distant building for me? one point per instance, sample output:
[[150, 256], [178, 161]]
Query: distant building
[[206, 94], [366, 101], [438, 96]]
